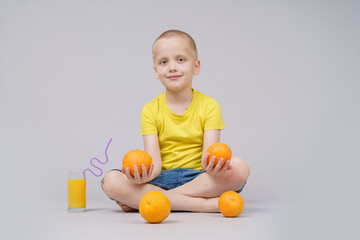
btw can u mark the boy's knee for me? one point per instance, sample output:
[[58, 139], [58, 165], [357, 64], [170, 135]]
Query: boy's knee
[[244, 169], [240, 172], [111, 181]]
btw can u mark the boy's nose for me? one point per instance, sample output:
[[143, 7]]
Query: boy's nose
[[172, 67]]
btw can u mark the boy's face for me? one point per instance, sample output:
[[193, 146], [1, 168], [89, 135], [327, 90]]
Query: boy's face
[[175, 63]]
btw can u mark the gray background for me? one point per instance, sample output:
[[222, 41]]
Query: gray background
[[74, 74]]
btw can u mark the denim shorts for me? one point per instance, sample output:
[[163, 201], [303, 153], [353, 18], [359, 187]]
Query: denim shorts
[[173, 178]]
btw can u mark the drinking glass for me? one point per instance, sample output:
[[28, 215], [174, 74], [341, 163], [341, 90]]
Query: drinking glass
[[76, 191]]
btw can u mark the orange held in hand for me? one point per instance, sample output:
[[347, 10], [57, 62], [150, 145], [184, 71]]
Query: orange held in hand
[[220, 150], [136, 157], [230, 204], [154, 207]]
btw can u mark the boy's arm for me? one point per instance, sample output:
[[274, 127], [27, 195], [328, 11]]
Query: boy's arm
[[210, 137], [151, 146]]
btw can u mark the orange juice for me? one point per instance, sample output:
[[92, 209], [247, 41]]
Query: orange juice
[[77, 195]]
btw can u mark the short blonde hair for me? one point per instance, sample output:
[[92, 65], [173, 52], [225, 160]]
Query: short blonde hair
[[178, 33]]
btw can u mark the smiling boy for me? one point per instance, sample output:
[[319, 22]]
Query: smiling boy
[[177, 127]]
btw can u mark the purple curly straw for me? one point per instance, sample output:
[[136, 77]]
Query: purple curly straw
[[101, 172]]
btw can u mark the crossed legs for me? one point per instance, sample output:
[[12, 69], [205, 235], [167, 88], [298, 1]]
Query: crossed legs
[[198, 195]]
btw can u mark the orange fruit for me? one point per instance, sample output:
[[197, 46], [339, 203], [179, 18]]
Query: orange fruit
[[154, 207], [136, 157], [230, 204], [220, 150]]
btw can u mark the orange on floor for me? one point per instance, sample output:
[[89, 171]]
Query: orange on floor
[[154, 207], [230, 204]]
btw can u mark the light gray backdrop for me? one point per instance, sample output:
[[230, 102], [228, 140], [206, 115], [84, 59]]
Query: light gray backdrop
[[74, 74]]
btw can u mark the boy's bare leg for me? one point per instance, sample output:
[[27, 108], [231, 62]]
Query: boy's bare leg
[[209, 186], [117, 186]]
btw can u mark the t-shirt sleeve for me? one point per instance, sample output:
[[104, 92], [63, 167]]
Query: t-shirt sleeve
[[213, 118], [148, 122]]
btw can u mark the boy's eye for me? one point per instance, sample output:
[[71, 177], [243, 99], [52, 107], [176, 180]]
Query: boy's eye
[[163, 62], [181, 59]]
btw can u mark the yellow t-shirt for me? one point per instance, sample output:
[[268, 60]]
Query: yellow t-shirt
[[181, 136]]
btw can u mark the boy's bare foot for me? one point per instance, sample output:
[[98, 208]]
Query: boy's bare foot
[[126, 208]]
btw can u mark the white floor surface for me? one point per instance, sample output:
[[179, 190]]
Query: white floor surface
[[105, 220]]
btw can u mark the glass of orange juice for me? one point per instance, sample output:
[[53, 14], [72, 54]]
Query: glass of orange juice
[[76, 191]]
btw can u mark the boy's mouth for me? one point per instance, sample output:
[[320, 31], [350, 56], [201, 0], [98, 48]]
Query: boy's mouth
[[174, 77]]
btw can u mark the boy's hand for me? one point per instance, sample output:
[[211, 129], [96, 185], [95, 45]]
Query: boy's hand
[[145, 176], [218, 169]]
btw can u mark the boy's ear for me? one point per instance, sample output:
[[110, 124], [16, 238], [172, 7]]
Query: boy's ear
[[156, 73], [197, 67]]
